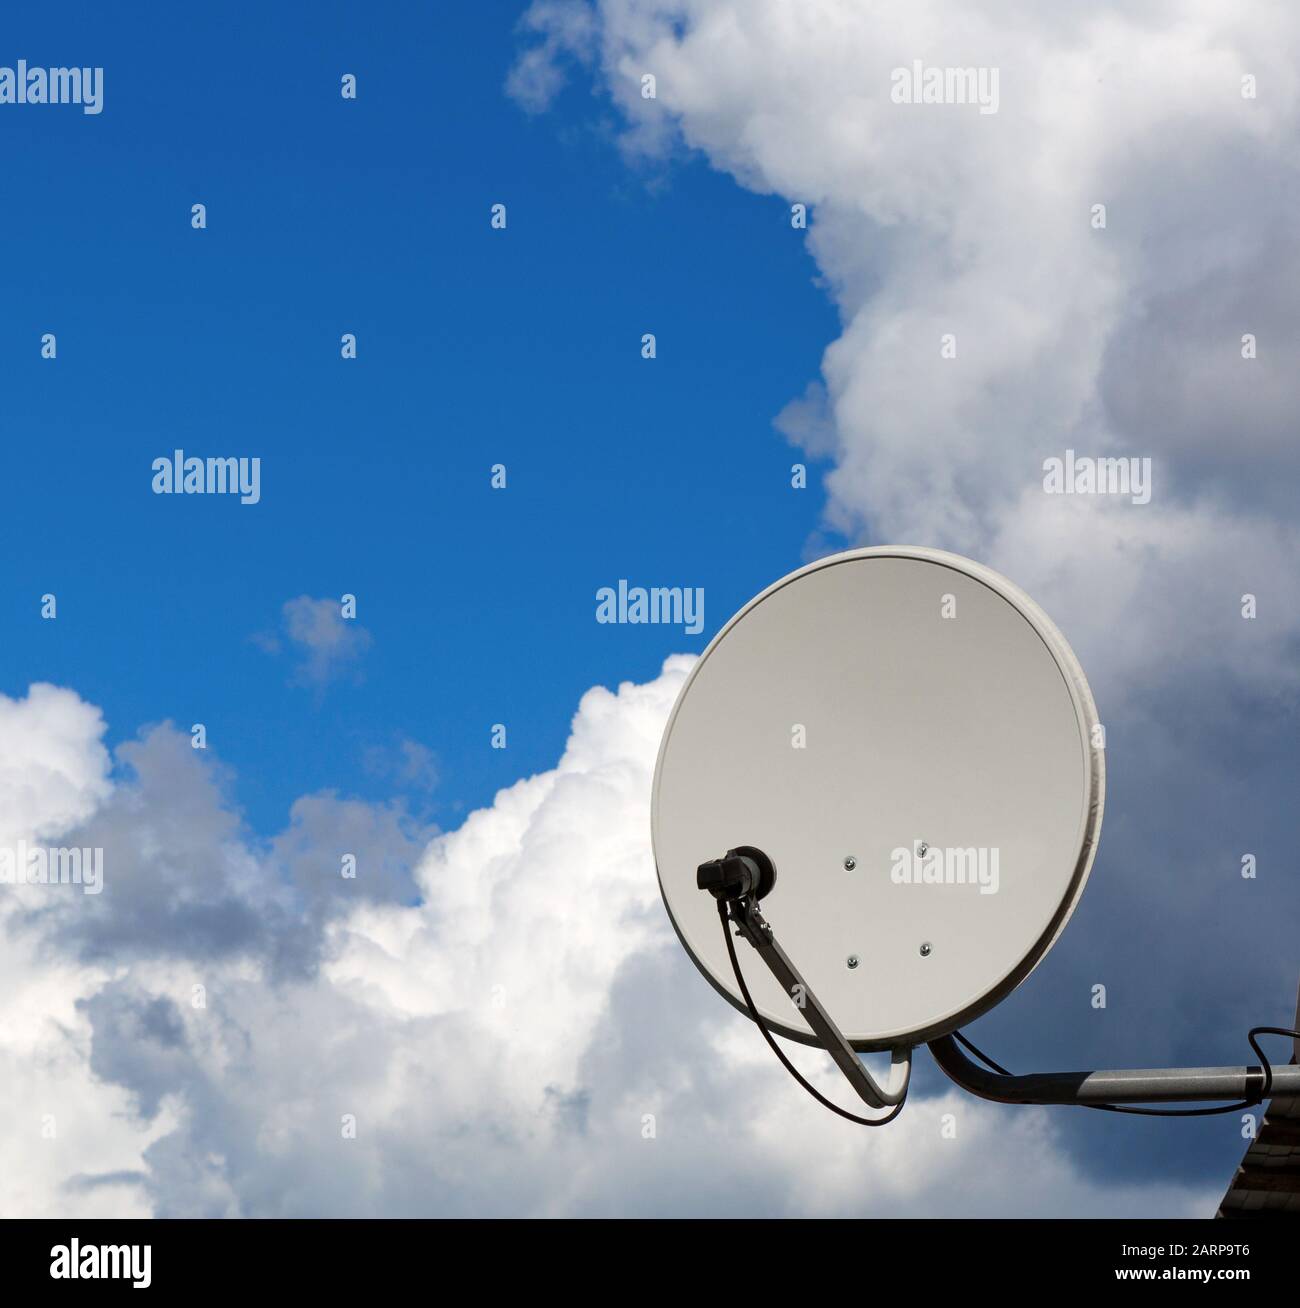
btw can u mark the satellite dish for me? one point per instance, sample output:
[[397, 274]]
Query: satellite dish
[[910, 740], [897, 753]]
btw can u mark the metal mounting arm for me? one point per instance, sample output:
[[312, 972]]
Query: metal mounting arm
[[1147, 1085], [751, 924]]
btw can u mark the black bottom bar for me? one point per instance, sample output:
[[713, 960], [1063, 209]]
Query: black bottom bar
[[564, 1258]]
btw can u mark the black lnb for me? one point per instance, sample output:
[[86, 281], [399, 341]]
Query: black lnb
[[744, 873]]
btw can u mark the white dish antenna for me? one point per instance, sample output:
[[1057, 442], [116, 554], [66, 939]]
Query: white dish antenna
[[897, 752]]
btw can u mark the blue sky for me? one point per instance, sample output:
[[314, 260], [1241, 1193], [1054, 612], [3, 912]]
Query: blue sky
[[523, 347], [474, 347]]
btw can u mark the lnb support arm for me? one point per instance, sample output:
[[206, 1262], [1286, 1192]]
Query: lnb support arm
[[754, 928]]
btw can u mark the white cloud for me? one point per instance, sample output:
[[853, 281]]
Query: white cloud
[[55, 1121], [328, 646], [564, 31], [936, 219], [53, 768], [500, 1042]]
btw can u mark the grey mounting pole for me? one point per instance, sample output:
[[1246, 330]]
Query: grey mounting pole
[[1143, 1086], [751, 924]]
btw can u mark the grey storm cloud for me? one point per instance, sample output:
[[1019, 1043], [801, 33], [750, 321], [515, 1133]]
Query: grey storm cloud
[[183, 878]]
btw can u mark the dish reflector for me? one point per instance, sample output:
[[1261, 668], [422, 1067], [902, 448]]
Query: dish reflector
[[910, 739]]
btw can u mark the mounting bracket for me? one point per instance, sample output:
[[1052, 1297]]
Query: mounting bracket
[[1145, 1085]]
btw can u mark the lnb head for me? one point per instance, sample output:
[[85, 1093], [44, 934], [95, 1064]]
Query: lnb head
[[745, 873]]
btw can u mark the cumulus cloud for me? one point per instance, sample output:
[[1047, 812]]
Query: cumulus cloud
[[53, 768], [502, 1008], [54, 773], [513, 1027], [936, 220], [93, 1047]]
